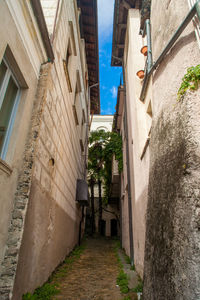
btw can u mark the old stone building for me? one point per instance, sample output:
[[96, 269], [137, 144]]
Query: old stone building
[[161, 134], [49, 58]]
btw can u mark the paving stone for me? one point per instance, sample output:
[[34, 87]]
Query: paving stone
[[93, 276]]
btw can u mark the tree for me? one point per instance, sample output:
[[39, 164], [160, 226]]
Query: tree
[[102, 146]]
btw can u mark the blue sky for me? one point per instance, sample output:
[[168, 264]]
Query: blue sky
[[109, 76]]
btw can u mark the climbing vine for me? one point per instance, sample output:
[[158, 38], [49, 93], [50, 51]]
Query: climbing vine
[[102, 146], [190, 81]]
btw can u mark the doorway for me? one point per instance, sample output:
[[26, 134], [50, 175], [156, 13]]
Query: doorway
[[114, 230]]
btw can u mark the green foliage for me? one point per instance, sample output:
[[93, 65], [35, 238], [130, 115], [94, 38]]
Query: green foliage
[[122, 281], [127, 298], [127, 259], [44, 292], [138, 288], [102, 146], [50, 289], [132, 268], [190, 80], [65, 267]]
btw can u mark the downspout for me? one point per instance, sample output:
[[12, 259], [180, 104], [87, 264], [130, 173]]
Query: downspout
[[80, 225], [38, 12], [195, 9]]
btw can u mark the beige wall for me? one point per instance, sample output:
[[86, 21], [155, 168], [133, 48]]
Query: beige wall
[[24, 46], [52, 223], [139, 124]]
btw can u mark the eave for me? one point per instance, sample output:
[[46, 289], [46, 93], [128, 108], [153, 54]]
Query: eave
[[89, 31], [120, 24]]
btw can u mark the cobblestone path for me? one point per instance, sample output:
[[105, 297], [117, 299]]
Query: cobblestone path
[[93, 275]]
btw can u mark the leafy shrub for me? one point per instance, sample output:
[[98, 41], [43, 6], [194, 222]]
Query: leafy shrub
[[122, 281], [190, 80], [127, 259], [138, 288], [44, 292]]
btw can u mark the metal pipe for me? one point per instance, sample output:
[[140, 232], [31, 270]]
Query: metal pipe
[[195, 9], [149, 46], [38, 12]]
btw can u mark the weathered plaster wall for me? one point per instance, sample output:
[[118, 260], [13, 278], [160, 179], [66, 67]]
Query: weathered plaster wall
[[21, 199], [172, 253], [52, 222], [138, 126], [29, 67]]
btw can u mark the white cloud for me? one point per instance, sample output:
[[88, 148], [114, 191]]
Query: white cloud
[[114, 92], [105, 17], [107, 111]]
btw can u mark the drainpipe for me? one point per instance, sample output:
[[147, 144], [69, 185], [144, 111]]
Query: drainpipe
[[149, 46], [195, 9], [128, 168]]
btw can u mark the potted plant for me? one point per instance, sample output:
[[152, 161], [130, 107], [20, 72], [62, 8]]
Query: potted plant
[[140, 74], [144, 50]]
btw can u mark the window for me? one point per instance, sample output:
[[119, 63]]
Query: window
[[9, 99], [72, 37], [77, 106], [67, 63]]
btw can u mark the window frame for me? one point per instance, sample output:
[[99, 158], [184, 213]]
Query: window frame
[[9, 74]]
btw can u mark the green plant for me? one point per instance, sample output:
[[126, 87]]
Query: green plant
[[65, 267], [122, 281], [102, 146], [127, 259], [127, 298], [190, 80], [44, 292], [132, 268], [138, 288], [50, 289]]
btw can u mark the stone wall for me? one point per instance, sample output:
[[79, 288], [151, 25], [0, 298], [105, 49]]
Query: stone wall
[[45, 221], [53, 216], [16, 228], [172, 253], [23, 46]]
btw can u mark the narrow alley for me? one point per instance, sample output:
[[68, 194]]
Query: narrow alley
[[99, 147]]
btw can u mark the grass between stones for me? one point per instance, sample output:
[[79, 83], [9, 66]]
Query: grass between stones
[[51, 288], [123, 279]]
